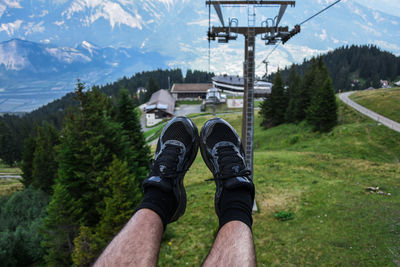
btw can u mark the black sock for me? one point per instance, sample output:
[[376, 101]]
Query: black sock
[[236, 205], [161, 202]]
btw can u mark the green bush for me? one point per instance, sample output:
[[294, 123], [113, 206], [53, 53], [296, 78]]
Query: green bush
[[20, 221], [284, 215]]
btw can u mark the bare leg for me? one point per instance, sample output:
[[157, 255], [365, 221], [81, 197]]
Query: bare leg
[[138, 243], [233, 246]]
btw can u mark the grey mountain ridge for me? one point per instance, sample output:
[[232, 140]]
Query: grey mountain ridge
[[176, 29], [33, 74]]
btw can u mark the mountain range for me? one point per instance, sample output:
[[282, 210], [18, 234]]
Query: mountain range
[[32, 74], [173, 31]]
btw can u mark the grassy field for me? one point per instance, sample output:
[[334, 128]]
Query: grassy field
[[188, 102], [221, 108], [9, 186], [382, 101], [322, 180]]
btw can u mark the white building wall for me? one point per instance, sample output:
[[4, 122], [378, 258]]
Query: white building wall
[[151, 119]]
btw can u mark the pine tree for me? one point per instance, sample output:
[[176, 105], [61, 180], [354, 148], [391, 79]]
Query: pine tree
[[280, 100], [189, 78], [44, 165], [8, 150], [291, 83], [61, 226], [322, 99], [322, 113], [87, 247], [274, 107], [121, 191], [266, 112], [122, 197], [151, 87], [27, 161], [129, 117], [89, 141], [306, 90], [293, 112]]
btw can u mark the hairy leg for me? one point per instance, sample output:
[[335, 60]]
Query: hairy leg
[[233, 246], [138, 243]]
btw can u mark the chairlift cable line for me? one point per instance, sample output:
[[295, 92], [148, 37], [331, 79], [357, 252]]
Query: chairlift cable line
[[276, 46], [209, 40], [209, 37], [331, 5], [313, 16]]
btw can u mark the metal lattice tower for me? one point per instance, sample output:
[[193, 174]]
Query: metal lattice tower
[[248, 94], [272, 33]]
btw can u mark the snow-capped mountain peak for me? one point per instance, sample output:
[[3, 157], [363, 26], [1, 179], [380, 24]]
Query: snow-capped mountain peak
[[12, 57], [112, 11], [91, 48]]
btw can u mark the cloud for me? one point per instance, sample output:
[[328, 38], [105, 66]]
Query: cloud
[[59, 23], [44, 13], [11, 27], [8, 4], [387, 6], [228, 58], [12, 3], [369, 29], [32, 28], [322, 36], [378, 17], [203, 23], [388, 46], [335, 41]]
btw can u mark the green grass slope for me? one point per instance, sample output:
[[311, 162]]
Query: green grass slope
[[322, 179], [382, 101]]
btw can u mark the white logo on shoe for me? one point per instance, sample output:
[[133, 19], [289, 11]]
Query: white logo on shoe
[[162, 168]]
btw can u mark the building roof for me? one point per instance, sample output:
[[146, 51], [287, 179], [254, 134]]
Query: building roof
[[229, 79], [191, 87], [162, 100]]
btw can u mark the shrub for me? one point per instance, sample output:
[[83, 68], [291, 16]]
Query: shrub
[[284, 215], [20, 221]]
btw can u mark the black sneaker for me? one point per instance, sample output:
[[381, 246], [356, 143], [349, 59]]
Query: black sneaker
[[222, 151], [176, 150]]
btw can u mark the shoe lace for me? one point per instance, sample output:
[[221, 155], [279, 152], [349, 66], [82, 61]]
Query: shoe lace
[[231, 164], [166, 164]]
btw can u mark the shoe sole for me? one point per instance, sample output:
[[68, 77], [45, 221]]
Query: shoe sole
[[181, 189]]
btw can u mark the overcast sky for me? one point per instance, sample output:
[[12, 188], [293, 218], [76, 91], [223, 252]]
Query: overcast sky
[[388, 6]]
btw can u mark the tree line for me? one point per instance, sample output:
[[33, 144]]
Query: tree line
[[355, 67], [310, 98], [15, 129], [82, 184]]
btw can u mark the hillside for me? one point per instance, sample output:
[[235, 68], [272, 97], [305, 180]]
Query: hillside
[[321, 178], [382, 101], [356, 67]]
